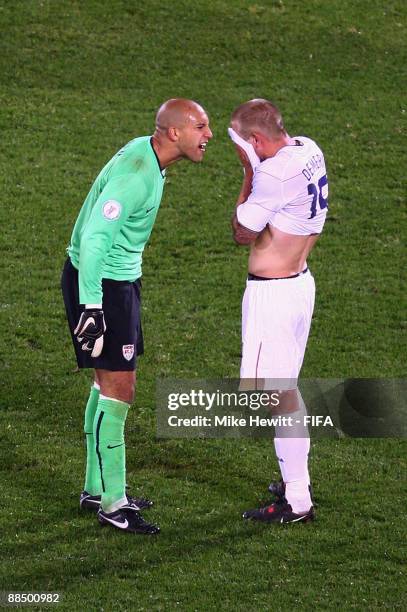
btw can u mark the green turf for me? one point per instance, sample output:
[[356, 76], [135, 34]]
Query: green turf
[[78, 79]]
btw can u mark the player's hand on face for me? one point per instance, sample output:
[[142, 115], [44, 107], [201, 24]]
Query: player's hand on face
[[244, 160], [90, 329]]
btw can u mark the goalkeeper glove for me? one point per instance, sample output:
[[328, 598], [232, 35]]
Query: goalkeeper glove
[[90, 329]]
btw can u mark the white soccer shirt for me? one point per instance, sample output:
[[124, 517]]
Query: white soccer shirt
[[289, 191]]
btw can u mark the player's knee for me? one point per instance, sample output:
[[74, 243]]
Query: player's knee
[[118, 385], [131, 388], [125, 390], [129, 394]]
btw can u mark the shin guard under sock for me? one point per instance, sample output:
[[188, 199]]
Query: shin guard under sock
[[93, 484], [110, 449], [292, 454]]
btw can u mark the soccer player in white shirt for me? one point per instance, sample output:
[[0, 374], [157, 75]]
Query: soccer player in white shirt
[[280, 213]]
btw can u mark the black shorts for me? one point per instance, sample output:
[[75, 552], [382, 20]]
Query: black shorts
[[123, 339]]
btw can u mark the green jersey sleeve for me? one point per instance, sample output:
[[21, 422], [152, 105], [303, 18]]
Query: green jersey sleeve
[[122, 196]]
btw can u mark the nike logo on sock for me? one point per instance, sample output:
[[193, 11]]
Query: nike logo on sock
[[115, 446]]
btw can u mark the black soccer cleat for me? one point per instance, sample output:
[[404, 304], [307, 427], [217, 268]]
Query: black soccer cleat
[[89, 502], [279, 513], [137, 503], [92, 502], [130, 521], [278, 490]]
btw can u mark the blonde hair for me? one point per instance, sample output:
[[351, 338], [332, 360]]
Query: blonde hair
[[259, 115]]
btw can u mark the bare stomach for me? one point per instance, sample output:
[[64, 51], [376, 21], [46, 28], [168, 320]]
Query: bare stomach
[[276, 254]]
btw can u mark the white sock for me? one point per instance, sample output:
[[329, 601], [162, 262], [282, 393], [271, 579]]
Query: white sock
[[298, 495], [292, 455]]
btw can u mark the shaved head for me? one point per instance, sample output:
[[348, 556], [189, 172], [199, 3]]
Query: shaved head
[[181, 131], [258, 115], [177, 112]]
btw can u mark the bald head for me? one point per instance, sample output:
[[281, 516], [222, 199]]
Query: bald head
[[258, 115], [176, 113], [181, 131]]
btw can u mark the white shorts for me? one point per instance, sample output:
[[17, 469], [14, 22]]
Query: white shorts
[[276, 319]]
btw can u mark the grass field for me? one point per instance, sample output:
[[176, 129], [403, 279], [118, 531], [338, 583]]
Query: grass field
[[78, 79]]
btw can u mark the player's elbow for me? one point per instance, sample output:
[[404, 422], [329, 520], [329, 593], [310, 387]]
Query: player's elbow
[[242, 235], [243, 239]]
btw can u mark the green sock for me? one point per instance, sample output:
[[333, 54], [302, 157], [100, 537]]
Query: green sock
[[93, 483], [108, 429]]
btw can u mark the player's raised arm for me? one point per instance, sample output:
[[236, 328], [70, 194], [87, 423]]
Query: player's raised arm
[[260, 196], [241, 234]]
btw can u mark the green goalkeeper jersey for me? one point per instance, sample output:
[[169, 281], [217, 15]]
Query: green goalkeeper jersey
[[116, 219]]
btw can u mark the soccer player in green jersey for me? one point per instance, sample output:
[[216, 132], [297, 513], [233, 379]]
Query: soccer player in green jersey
[[101, 289]]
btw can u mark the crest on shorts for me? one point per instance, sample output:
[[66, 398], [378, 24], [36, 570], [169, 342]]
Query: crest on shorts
[[128, 351]]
